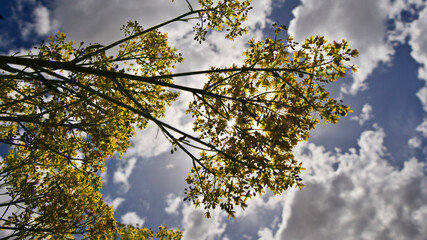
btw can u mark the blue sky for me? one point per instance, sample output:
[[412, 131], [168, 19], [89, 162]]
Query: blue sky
[[366, 177]]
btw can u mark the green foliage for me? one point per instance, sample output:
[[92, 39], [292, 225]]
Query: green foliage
[[66, 109], [63, 126], [229, 14], [259, 112], [127, 232]]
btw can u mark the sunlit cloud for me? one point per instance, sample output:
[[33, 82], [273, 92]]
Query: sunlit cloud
[[423, 128], [365, 115], [418, 42], [195, 226], [173, 203], [133, 219], [361, 23], [41, 25], [42, 20], [356, 194], [116, 202], [415, 142], [123, 172]]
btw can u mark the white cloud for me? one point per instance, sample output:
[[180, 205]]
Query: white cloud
[[98, 21], [148, 142], [355, 195], [116, 202], [173, 203], [196, 226], [258, 204], [418, 42], [41, 24], [422, 95], [415, 142], [403, 26], [122, 174], [365, 115], [169, 166], [363, 24], [133, 219], [422, 128], [265, 234], [42, 21], [258, 16]]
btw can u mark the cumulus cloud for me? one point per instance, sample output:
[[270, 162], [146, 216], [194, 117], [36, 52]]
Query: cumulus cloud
[[422, 95], [423, 128], [42, 20], [196, 226], [415, 142], [258, 16], [265, 234], [148, 142], [133, 219], [418, 43], [355, 195], [362, 23], [365, 115], [116, 202], [96, 21], [123, 172], [173, 203], [41, 24]]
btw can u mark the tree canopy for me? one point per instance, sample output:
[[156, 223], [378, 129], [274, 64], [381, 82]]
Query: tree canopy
[[67, 108]]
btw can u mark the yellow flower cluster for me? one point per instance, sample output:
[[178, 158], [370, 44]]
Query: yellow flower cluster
[[219, 14], [62, 125], [257, 113]]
